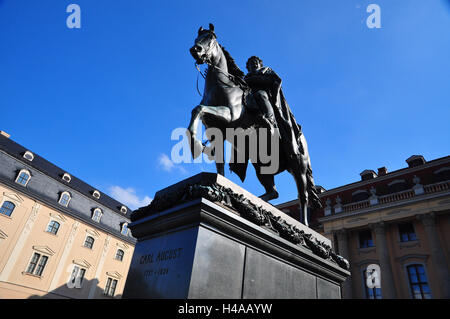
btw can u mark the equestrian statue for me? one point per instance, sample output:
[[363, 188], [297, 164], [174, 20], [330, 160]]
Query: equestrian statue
[[232, 99]]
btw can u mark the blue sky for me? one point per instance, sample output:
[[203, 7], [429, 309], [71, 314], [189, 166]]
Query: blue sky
[[101, 101]]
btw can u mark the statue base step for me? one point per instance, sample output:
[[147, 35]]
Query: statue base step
[[200, 238]]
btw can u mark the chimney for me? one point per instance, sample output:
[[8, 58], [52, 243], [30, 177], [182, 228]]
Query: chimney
[[382, 171]]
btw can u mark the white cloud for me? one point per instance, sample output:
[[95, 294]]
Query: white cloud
[[168, 165], [128, 197], [165, 162]]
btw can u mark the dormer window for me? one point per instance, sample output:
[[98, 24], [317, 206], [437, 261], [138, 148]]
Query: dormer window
[[23, 177], [123, 210], [96, 194], [67, 177], [29, 156], [415, 160], [367, 174], [65, 199], [320, 189], [97, 215]]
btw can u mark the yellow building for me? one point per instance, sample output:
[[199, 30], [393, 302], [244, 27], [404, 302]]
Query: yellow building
[[59, 237], [394, 228]]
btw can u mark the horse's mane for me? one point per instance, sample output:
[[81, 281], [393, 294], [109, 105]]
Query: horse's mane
[[233, 69]]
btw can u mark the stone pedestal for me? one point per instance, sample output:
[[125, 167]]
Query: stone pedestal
[[206, 237]]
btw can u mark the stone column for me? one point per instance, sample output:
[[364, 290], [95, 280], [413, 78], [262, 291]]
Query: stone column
[[437, 255], [342, 237], [99, 268], [387, 279], [20, 244], [62, 262]]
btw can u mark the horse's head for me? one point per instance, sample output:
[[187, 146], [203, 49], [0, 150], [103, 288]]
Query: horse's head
[[204, 45]]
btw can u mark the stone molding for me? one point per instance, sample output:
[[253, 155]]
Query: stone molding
[[244, 208]]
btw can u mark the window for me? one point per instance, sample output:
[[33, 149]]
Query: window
[[123, 210], [360, 195], [110, 288], [119, 254], [29, 156], [23, 178], [97, 215], [7, 208], [397, 185], [37, 264], [418, 282], [77, 276], [371, 293], [67, 177], [96, 194], [124, 230], [365, 239], [53, 227], [64, 199], [89, 242], [407, 232]]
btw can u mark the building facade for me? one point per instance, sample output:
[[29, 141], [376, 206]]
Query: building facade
[[59, 237], [394, 228]]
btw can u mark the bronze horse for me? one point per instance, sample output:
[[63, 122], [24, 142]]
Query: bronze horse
[[226, 103]]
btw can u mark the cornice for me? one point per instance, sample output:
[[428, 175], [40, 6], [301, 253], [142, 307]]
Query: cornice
[[359, 184], [374, 208]]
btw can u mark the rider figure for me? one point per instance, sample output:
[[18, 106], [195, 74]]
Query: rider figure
[[264, 83]]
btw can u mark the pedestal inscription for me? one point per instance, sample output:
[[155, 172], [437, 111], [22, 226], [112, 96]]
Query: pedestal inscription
[[161, 266]]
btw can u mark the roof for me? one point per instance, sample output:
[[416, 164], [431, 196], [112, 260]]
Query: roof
[[17, 151]]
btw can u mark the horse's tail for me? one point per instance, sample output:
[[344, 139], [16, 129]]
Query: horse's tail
[[313, 198]]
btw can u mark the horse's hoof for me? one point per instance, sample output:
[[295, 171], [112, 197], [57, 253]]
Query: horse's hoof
[[196, 148], [269, 196]]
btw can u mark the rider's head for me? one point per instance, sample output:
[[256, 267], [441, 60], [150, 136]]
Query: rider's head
[[254, 63]]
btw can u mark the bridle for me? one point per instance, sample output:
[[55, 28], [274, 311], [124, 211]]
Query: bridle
[[207, 60]]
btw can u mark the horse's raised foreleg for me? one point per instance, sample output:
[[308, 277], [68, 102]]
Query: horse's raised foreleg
[[220, 113], [195, 145]]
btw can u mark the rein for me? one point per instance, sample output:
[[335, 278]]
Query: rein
[[236, 80], [204, 77]]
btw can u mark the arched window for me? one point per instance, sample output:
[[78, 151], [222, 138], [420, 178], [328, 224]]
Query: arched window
[[97, 215], [124, 230], [89, 242], [119, 254], [7, 208], [64, 199], [372, 285], [23, 177], [418, 282], [96, 194], [29, 156], [53, 227]]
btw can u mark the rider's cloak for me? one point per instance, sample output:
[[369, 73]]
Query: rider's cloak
[[291, 139]]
